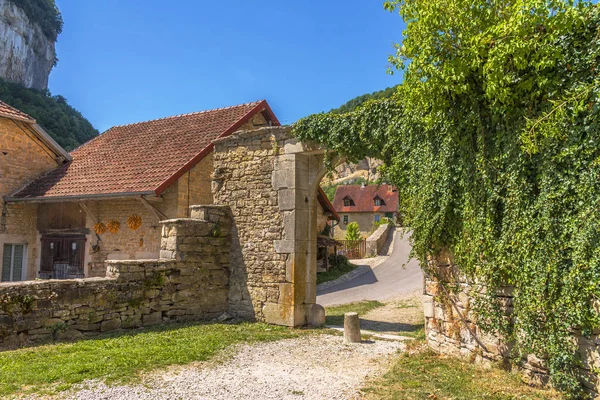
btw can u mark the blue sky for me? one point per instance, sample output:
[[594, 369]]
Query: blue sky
[[124, 61]]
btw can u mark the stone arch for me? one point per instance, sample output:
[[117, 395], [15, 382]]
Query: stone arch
[[270, 180]]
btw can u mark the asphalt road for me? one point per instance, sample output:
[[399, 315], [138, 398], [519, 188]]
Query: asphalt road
[[389, 280]]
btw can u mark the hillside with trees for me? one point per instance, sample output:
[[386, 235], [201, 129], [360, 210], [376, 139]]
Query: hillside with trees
[[65, 124], [351, 105]]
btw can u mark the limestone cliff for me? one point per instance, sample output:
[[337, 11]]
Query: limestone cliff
[[26, 54]]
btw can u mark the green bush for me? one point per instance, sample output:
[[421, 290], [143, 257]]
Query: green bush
[[43, 13], [352, 231]]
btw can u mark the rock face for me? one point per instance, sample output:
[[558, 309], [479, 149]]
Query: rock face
[[26, 54]]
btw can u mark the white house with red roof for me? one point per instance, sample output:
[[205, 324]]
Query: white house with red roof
[[365, 205]]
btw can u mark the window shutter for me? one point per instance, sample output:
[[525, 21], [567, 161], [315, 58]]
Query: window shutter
[[17, 263], [6, 257]]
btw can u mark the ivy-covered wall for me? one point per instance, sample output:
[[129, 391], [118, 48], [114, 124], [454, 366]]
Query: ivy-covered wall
[[452, 326]]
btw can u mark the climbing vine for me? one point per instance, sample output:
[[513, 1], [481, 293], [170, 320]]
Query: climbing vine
[[493, 141]]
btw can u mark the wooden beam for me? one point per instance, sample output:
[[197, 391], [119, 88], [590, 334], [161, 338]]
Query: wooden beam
[[88, 212], [154, 199], [156, 212]]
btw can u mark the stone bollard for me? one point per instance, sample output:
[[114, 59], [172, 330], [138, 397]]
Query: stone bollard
[[317, 315], [351, 328]]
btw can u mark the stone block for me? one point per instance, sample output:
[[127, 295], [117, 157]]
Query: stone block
[[110, 325], [152, 319]]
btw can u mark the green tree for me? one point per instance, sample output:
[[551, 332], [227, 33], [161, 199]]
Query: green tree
[[353, 231], [44, 13], [492, 140], [65, 124]]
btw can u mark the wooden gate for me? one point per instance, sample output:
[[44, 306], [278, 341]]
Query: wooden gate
[[354, 248]]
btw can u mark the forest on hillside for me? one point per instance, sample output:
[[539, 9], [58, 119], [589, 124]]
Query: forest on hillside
[[351, 105], [65, 124]]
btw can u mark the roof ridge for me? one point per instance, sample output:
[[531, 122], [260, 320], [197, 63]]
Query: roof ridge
[[187, 114]]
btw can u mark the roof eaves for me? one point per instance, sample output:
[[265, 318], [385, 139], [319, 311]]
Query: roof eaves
[[51, 199], [47, 139]]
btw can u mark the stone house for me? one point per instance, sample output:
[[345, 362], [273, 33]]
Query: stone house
[[365, 205], [130, 177], [26, 152]]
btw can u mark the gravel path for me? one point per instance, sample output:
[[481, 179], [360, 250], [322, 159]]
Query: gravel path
[[311, 367]]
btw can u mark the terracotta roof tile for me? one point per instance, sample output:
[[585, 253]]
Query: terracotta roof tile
[[363, 198], [144, 157], [11, 112]]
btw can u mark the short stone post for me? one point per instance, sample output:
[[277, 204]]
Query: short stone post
[[351, 328]]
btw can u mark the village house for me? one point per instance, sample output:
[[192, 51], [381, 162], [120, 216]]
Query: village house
[[65, 214], [26, 152], [365, 205]]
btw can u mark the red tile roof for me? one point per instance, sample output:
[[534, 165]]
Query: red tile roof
[[141, 158], [363, 198], [11, 112]]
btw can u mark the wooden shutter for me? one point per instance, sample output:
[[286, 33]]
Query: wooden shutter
[[6, 259], [18, 254]]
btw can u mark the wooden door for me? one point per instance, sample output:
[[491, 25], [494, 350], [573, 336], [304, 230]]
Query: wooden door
[[61, 250]]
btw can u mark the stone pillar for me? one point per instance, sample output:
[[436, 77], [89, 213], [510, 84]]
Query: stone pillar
[[270, 182]]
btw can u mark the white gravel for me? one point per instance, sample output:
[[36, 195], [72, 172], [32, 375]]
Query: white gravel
[[310, 367]]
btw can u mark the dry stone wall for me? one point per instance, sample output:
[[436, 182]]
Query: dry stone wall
[[376, 242], [244, 165], [451, 326], [270, 181], [190, 282]]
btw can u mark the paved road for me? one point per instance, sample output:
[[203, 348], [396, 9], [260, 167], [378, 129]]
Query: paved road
[[389, 280]]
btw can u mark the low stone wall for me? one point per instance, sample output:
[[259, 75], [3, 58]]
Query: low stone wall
[[451, 326], [377, 240], [190, 282]]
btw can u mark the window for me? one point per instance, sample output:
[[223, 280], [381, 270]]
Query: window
[[377, 218], [13, 263], [379, 201], [346, 219], [347, 201]]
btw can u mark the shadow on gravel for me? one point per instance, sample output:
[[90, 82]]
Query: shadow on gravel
[[389, 327]]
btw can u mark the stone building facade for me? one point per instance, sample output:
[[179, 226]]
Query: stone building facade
[[154, 170], [270, 182], [26, 152]]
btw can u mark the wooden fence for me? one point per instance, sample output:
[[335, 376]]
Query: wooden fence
[[353, 248]]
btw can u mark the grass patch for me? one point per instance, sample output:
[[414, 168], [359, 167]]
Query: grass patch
[[342, 267], [121, 357], [335, 314], [426, 375]]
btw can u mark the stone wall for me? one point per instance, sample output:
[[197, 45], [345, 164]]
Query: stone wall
[[376, 242], [451, 326], [190, 283], [255, 279], [126, 244], [23, 158], [270, 181]]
